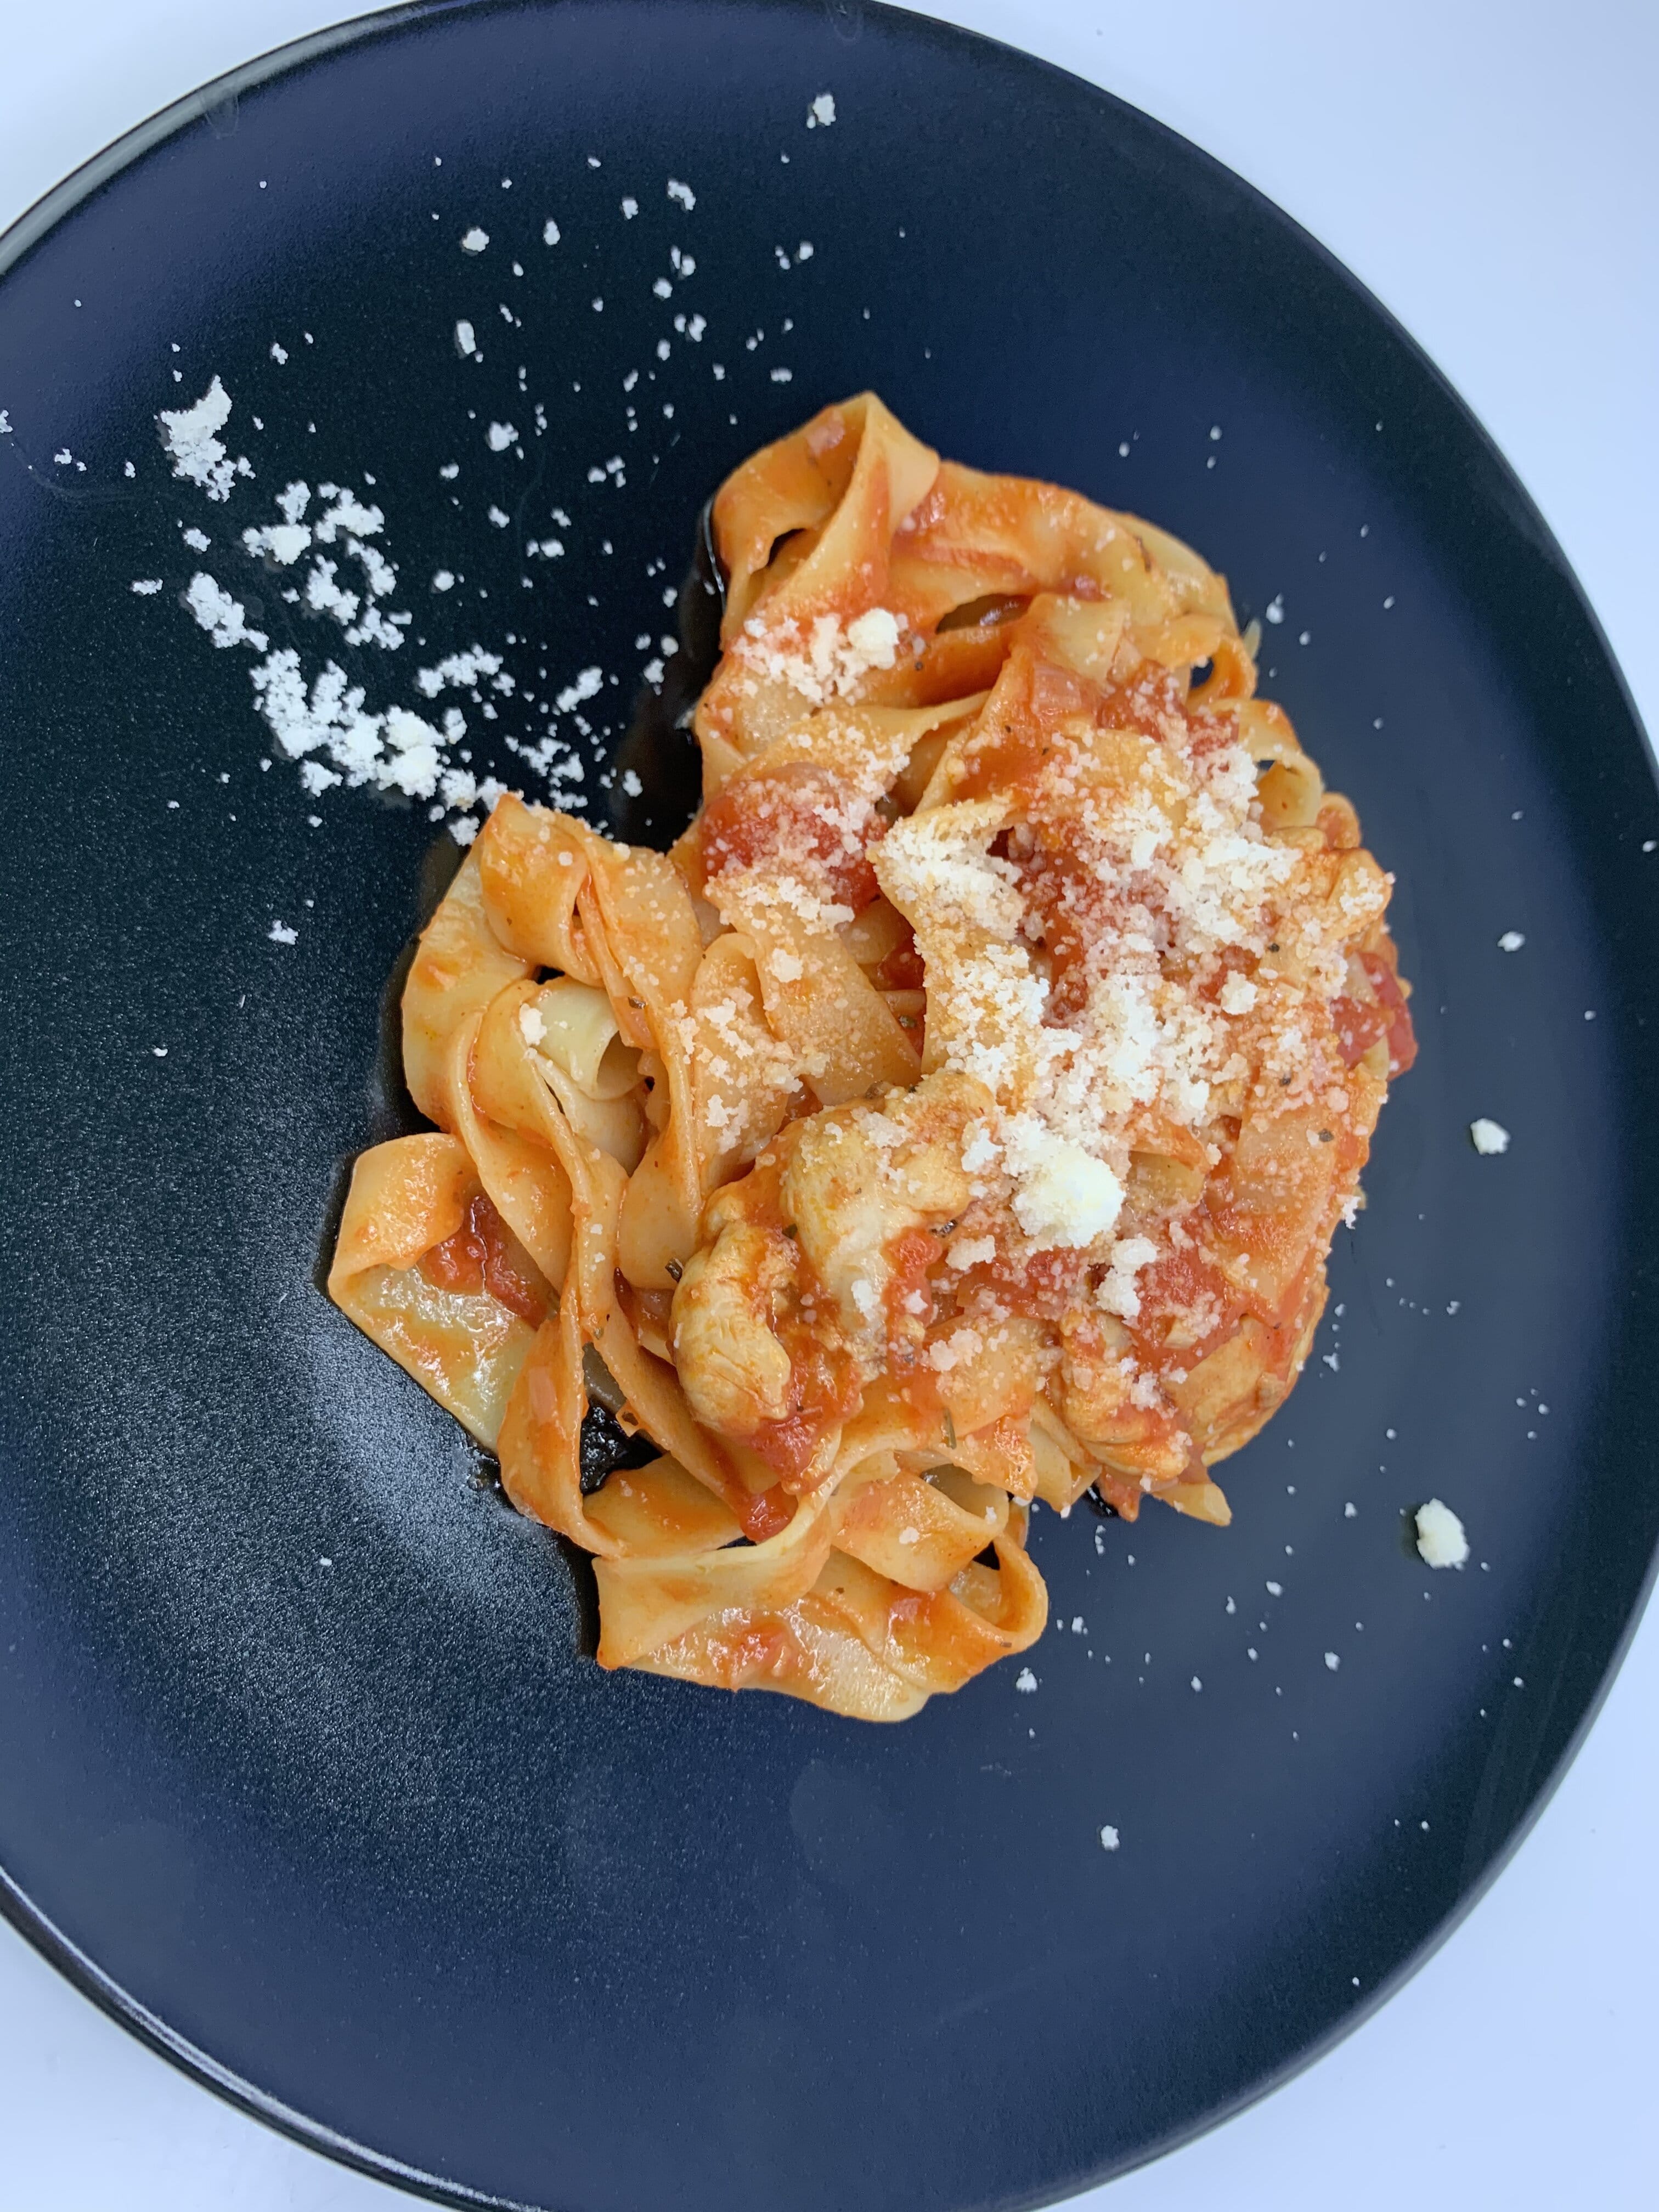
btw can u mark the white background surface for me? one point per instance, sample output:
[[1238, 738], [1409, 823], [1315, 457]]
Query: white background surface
[[1493, 172]]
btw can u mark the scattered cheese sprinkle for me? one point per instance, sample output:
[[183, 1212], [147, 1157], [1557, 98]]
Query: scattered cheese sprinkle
[[1489, 1137], [1063, 1196], [1440, 1538], [223, 618], [198, 454], [825, 659]]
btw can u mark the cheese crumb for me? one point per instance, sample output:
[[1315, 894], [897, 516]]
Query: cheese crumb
[[1062, 1196], [532, 1027], [972, 1252], [826, 658], [1119, 1293], [1440, 1541], [280, 933], [474, 241], [1489, 1137], [1511, 941], [223, 618], [821, 113], [1109, 1839], [198, 454], [1025, 1679], [281, 542]]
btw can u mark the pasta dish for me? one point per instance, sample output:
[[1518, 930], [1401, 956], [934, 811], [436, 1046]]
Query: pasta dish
[[959, 1116]]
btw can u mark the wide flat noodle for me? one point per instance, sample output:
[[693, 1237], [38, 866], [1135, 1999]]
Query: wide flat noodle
[[956, 1118], [464, 1348]]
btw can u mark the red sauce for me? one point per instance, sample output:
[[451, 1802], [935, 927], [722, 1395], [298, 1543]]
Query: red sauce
[[1360, 1024], [903, 969], [480, 1256], [766, 1513], [1213, 730], [1074, 910], [794, 813], [1402, 1038], [910, 1257], [1057, 693], [1175, 1287], [824, 1389], [1046, 1284], [1145, 702], [1020, 736]]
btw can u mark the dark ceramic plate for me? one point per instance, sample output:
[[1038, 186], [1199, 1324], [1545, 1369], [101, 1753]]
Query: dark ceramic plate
[[303, 1771]]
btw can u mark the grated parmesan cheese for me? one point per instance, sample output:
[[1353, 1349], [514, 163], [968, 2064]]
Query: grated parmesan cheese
[[824, 660], [1440, 1541], [198, 454], [223, 618], [1063, 1196], [1120, 1294]]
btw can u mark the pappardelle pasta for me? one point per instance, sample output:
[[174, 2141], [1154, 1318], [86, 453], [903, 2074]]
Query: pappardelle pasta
[[959, 1116]]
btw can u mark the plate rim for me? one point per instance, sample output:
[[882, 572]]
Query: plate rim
[[212, 98]]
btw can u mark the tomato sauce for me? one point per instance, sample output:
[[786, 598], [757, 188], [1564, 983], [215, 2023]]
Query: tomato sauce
[[1402, 1038], [767, 1513], [1145, 702], [1361, 1024], [1215, 730], [793, 813], [824, 1389], [1183, 1287], [903, 969], [481, 1256], [910, 1258], [1047, 1284]]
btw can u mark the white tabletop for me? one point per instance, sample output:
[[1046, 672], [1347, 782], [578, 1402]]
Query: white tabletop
[[1481, 168]]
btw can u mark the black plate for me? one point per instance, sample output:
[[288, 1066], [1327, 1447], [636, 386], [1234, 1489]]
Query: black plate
[[371, 1845]]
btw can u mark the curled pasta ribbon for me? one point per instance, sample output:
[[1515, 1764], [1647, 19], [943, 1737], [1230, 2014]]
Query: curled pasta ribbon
[[956, 1120]]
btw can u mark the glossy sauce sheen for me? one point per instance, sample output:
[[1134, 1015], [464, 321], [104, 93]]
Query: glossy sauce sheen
[[482, 1255]]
